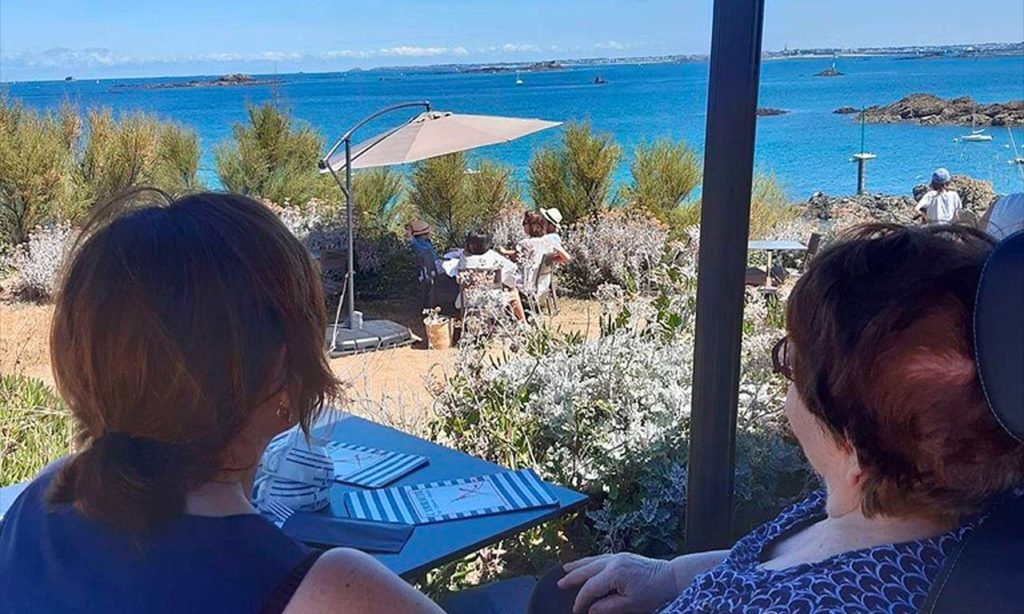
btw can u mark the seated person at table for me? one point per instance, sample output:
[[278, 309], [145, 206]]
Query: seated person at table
[[910, 463], [420, 243], [186, 334], [479, 254], [531, 252]]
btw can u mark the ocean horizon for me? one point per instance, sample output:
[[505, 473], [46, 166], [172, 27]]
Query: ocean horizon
[[808, 149]]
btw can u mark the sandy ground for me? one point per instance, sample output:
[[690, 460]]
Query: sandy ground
[[388, 386]]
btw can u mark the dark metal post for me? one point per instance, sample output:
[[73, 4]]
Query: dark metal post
[[725, 223], [350, 280], [860, 175]]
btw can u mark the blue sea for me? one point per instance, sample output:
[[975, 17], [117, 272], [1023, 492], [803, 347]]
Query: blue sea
[[808, 150]]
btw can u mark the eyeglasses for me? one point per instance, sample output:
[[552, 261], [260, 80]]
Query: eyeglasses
[[782, 359]]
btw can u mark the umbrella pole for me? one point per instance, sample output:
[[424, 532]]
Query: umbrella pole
[[350, 277]]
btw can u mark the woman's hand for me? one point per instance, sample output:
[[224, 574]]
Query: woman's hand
[[620, 583]]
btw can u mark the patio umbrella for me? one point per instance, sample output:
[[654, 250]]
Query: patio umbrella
[[435, 133], [429, 134]]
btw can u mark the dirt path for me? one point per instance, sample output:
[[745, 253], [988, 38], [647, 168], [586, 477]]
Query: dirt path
[[388, 386]]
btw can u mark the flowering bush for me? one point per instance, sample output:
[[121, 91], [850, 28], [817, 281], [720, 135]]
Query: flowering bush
[[610, 416], [384, 263], [507, 229], [37, 262], [616, 246]]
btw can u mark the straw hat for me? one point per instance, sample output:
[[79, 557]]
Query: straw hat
[[419, 227], [552, 215]]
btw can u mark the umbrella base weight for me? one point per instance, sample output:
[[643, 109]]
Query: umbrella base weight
[[374, 335]]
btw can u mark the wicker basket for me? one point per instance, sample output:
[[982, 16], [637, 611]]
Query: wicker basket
[[439, 334]]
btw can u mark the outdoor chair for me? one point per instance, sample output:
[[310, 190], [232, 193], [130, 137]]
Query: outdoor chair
[[540, 287], [481, 298]]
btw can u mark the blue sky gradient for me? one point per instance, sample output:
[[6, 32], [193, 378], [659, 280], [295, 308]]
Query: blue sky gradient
[[48, 39]]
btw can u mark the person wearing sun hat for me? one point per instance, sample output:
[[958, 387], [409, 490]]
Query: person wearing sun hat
[[552, 224], [940, 205], [419, 238]]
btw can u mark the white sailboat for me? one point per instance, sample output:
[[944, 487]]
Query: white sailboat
[[976, 136], [519, 80]]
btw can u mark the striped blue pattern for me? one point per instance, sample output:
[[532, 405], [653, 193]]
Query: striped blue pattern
[[520, 490], [393, 466]]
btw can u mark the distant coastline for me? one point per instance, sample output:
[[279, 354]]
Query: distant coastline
[[908, 52]]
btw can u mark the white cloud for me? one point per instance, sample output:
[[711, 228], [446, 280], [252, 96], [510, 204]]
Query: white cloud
[[62, 57], [519, 47], [612, 45]]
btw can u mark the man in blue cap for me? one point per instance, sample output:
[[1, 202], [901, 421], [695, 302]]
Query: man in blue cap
[[940, 205]]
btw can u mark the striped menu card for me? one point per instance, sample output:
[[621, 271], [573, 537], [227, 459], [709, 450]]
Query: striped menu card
[[452, 499], [370, 467]]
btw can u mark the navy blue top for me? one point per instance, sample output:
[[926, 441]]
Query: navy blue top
[[420, 244], [888, 578], [56, 560]]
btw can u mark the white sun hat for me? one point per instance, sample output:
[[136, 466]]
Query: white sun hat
[[552, 215]]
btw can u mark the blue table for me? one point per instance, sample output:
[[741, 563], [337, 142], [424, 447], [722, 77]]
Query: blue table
[[429, 545], [436, 544]]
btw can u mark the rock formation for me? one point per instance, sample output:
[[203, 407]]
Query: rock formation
[[930, 110], [770, 111]]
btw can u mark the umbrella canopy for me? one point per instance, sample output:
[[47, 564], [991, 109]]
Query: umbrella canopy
[[436, 133]]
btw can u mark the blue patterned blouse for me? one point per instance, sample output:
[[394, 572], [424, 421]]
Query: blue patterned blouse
[[890, 578]]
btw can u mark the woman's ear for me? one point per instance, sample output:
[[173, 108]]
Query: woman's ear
[[852, 472]]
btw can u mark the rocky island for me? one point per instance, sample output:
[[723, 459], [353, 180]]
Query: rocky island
[[770, 111], [831, 71], [930, 110], [231, 80], [501, 68]]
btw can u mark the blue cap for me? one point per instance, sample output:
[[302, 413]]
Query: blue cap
[[941, 176]]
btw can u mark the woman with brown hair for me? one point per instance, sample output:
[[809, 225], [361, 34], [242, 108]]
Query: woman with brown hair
[[186, 334], [886, 402]]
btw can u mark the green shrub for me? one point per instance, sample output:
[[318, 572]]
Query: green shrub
[[134, 150], [35, 428], [49, 173], [664, 174], [769, 209], [377, 194], [272, 159], [454, 200], [575, 176], [36, 153]]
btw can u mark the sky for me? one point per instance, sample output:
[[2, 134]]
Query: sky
[[50, 39]]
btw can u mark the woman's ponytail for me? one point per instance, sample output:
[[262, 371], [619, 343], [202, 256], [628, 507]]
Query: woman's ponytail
[[133, 483]]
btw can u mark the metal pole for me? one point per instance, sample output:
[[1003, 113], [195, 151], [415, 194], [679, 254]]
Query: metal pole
[[350, 278], [725, 223], [860, 174]]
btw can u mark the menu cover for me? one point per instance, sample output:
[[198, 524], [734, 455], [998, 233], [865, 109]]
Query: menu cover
[[370, 467], [452, 499]]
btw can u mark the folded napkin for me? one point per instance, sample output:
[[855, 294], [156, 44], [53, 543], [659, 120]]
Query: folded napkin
[[325, 530]]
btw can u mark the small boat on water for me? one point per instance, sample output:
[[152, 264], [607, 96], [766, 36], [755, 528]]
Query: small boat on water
[[519, 80], [599, 80], [976, 136]]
